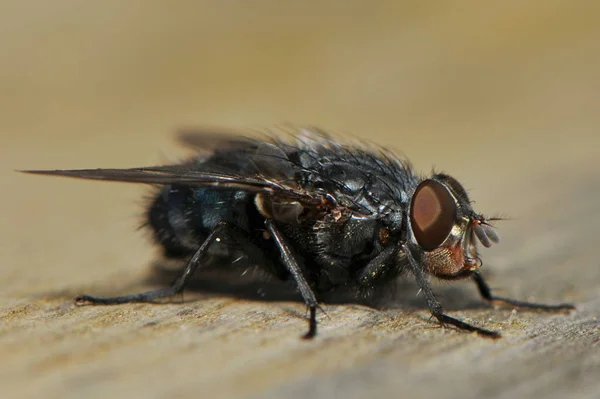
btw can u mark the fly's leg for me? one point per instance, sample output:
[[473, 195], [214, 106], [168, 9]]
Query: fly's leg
[[434, 306], [378, 268], [178, 285], [296, 272], [486, 293]]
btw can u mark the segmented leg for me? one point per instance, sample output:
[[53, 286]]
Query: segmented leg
[[178, 285], [434, 306], [378, 268], [294, 269], [486, 293]]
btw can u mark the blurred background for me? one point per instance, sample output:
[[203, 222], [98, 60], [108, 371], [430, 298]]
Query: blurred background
[[503, 95], [488, 93]]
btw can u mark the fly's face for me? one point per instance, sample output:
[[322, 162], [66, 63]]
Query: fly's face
[[444, 225]]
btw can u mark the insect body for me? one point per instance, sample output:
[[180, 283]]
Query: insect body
[[313, 210]]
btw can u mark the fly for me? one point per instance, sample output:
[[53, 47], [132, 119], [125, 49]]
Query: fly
[[316, 211]]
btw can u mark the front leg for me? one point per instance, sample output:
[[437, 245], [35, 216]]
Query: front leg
[[486, 293], [434, 306], [379, 268]]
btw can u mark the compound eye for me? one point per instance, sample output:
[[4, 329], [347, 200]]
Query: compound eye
[[432, 214]]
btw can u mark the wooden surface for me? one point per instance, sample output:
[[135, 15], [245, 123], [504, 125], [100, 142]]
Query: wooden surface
[[505, 98]]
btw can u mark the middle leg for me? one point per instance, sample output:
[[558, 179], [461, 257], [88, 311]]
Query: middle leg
[[292, 266]]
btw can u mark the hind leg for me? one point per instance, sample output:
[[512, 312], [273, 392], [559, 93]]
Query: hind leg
[[193, 264]]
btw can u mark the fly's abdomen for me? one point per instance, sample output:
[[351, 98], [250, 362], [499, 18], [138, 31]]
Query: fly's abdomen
[[181, 217]]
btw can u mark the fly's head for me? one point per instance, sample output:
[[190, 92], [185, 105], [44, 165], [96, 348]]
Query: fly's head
[[445, 226]]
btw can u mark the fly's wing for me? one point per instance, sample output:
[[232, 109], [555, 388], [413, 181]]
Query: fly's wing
[[235, 163], [207, 140], [268, 166], [180, 174], [266, 155], [231, 152]]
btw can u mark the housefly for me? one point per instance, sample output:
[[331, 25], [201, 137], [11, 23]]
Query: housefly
[[316, 211]]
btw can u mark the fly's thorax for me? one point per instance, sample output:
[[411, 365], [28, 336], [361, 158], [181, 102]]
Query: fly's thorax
[[443, 224]]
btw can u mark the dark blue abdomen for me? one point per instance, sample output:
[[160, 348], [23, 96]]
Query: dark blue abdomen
[[181, 217]]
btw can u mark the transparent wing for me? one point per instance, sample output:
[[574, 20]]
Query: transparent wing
[[211, 139], [185, 174]]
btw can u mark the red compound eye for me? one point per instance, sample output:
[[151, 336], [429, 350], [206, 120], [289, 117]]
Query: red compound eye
[[432, 214]]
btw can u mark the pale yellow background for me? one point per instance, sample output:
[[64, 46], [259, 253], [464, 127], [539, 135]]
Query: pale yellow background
[[503, 95]]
